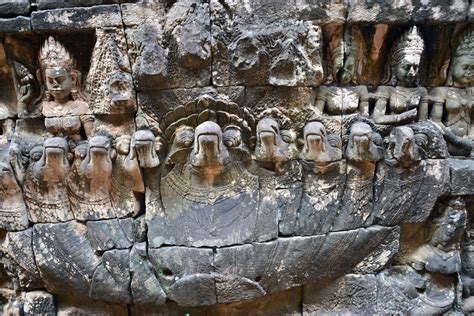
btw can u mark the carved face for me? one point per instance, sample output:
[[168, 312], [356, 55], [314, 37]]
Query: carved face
[[209, 149], [7, 178], [271, 145], [463, 70], [52, 164], [232, 136], [59, 83], [361, 145], [98, 160], [144, 143], [314, 140], [407, 69], [347, 72], [451, 225], [120, 89], [403, 146]]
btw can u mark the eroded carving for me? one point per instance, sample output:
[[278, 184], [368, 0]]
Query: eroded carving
[[452, 105]]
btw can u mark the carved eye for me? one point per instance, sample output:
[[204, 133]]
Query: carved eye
[[35, 156], [287, 136]]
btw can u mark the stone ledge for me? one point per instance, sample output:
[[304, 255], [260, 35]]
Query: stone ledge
[[18, 24], [14, 7], [417, 11], [76, 18]]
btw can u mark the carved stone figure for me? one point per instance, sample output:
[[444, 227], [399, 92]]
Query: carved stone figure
[[362, 152], [44, 182], [324, 173], [13, 211], [442, 253], [407, 182], [64, 106], [200, 193], [279, 172], [452, 105], [284, 53], [406, 102], [109, 83], [344, 99], [89, 182]]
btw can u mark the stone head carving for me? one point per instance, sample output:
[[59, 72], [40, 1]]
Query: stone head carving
[[363, 145], [58, 72], [99, 158], [209, 150], [45, 181], [406, 58], [207, 132], [53, 165], [318, 145], [144, 143], [449, 229], [274, 146], [405, 146], [461, 72], [13, 214]]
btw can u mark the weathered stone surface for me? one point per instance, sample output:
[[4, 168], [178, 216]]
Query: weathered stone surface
[[407, 11], [53, 4], [110, 234], [409, 195], [297, 103], [111, 279], [73, 305], [462, 176], [19, 259], [76, 18], [17, 24], [186, 282], [325, 256], [381, 256], [323, 187], [172, 49], [319, 11], [64, 257], [283, 53], [14, 7], [236, 157], [38, 302], [145, 287], [352, 293], [158, 103]]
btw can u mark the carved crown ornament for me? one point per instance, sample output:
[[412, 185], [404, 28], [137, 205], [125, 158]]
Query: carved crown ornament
[[188, 160]]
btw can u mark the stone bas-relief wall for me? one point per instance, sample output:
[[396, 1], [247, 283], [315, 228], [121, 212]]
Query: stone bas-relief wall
[[226, 157]]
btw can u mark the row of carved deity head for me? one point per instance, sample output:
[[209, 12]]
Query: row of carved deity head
[[209, 144]]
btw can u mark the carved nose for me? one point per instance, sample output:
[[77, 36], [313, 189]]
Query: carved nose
[[208, 143], [268, 137], [412, 72]]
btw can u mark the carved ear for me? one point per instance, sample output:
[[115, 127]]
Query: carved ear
[[335, 140], [421, 140], [377, 139], [288, 136], [76, 77]]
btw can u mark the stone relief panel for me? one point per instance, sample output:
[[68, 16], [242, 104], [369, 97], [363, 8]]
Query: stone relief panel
[[217, 156]]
